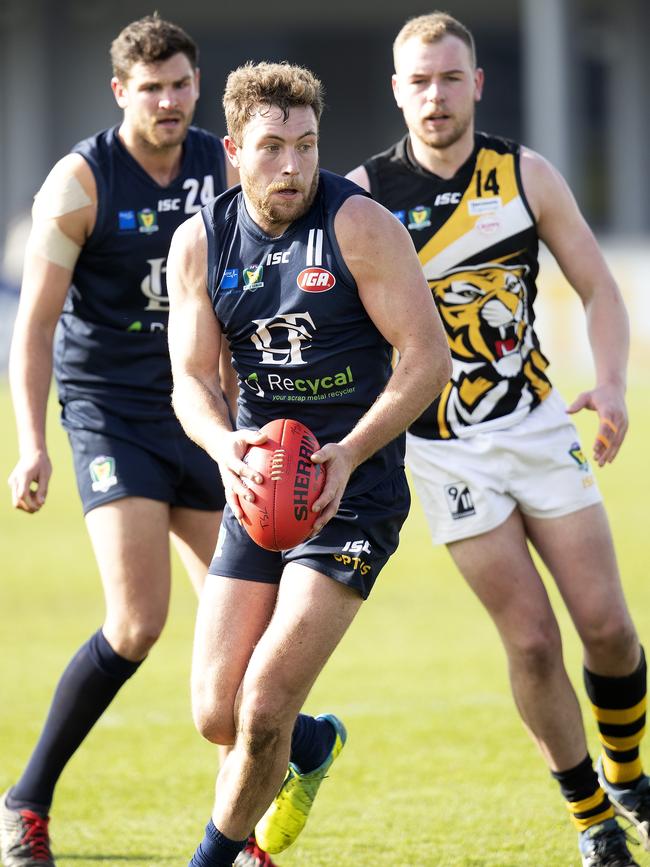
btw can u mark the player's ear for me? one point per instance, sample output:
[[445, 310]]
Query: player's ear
[[197, 81], [231, 150], [395, 84], [479, 80], [119, 91]]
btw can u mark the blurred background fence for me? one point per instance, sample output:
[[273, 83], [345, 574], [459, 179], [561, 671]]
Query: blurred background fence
[[569, 78]]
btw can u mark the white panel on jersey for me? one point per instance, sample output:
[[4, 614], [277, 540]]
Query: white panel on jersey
[[508, 221]]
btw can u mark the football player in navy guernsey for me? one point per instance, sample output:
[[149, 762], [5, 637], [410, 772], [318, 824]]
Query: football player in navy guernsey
[[495, 459], [311, 284], [94, 283]]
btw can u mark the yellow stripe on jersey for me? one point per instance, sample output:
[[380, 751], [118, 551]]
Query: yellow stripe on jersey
[[478, 222]]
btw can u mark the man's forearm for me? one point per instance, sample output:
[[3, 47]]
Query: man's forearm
[[30, 375], [202, 411], [413, 386], [609, 338]]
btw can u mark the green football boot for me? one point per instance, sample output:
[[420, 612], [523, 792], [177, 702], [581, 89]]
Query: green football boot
[[280, 826]]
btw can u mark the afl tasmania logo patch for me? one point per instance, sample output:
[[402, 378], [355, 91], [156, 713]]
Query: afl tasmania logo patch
[[315, 280]]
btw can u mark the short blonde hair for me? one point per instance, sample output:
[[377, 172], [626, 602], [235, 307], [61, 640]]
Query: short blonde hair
[[432, 28], [268, 84]]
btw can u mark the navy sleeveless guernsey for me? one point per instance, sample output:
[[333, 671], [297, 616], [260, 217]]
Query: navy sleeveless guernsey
[[111, 340], [302, 343]]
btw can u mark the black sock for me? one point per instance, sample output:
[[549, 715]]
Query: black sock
[[586, 801], [311, 742], [216, 850], [86, 688]]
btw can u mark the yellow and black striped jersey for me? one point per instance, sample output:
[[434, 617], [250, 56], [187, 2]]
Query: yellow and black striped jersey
[[476, 238]]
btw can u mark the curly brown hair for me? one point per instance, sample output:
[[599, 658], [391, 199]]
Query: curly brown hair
[[257, 85], [432, 28], [150, 40]]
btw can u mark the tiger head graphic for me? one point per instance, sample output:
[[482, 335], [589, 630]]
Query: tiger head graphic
[[485, 314]]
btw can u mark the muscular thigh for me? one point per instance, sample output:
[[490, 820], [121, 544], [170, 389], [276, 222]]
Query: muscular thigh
[[232, 615], [312, 614], [579, 552], [130, 538], [259, 646], [194, 533], [498, 567]]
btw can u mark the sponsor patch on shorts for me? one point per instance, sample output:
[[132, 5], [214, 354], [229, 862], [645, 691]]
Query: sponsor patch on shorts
[[102, 473], [579, 457], [459, 500]]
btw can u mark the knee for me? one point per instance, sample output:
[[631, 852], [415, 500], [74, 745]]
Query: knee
[[258, 732], [537, 652], [261, 731], [133, 638], [611, 636], [213, 716], [213, 724]]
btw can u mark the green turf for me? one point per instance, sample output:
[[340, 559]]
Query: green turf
[[437, 771]]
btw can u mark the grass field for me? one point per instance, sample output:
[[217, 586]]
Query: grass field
[[438, 770]]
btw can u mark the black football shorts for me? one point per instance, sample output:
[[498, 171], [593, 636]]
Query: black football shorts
[[116, 457], [352, 548]]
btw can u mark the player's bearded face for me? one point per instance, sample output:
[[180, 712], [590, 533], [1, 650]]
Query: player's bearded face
[[278, 165], [437, 86], [160, 102], [282, 201]]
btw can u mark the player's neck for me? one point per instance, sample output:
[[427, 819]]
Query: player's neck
[[163, 164], [443, 162]]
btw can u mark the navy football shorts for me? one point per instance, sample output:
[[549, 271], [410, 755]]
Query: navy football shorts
[[352, 548], [116, 457]]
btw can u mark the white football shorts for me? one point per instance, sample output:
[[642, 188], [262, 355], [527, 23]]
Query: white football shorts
[[469, 486]]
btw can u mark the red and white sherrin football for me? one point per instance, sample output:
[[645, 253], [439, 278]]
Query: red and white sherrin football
[[281, 516]]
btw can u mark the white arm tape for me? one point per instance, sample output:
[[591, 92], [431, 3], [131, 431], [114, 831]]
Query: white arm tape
[[59, 196], [48, 241]]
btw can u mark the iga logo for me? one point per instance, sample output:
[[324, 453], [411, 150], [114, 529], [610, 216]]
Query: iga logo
[[315, 280]]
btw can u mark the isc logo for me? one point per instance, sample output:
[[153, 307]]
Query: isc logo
[[359, 546], [315, 280], [447, 199], [169, 205], [279, 258]]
